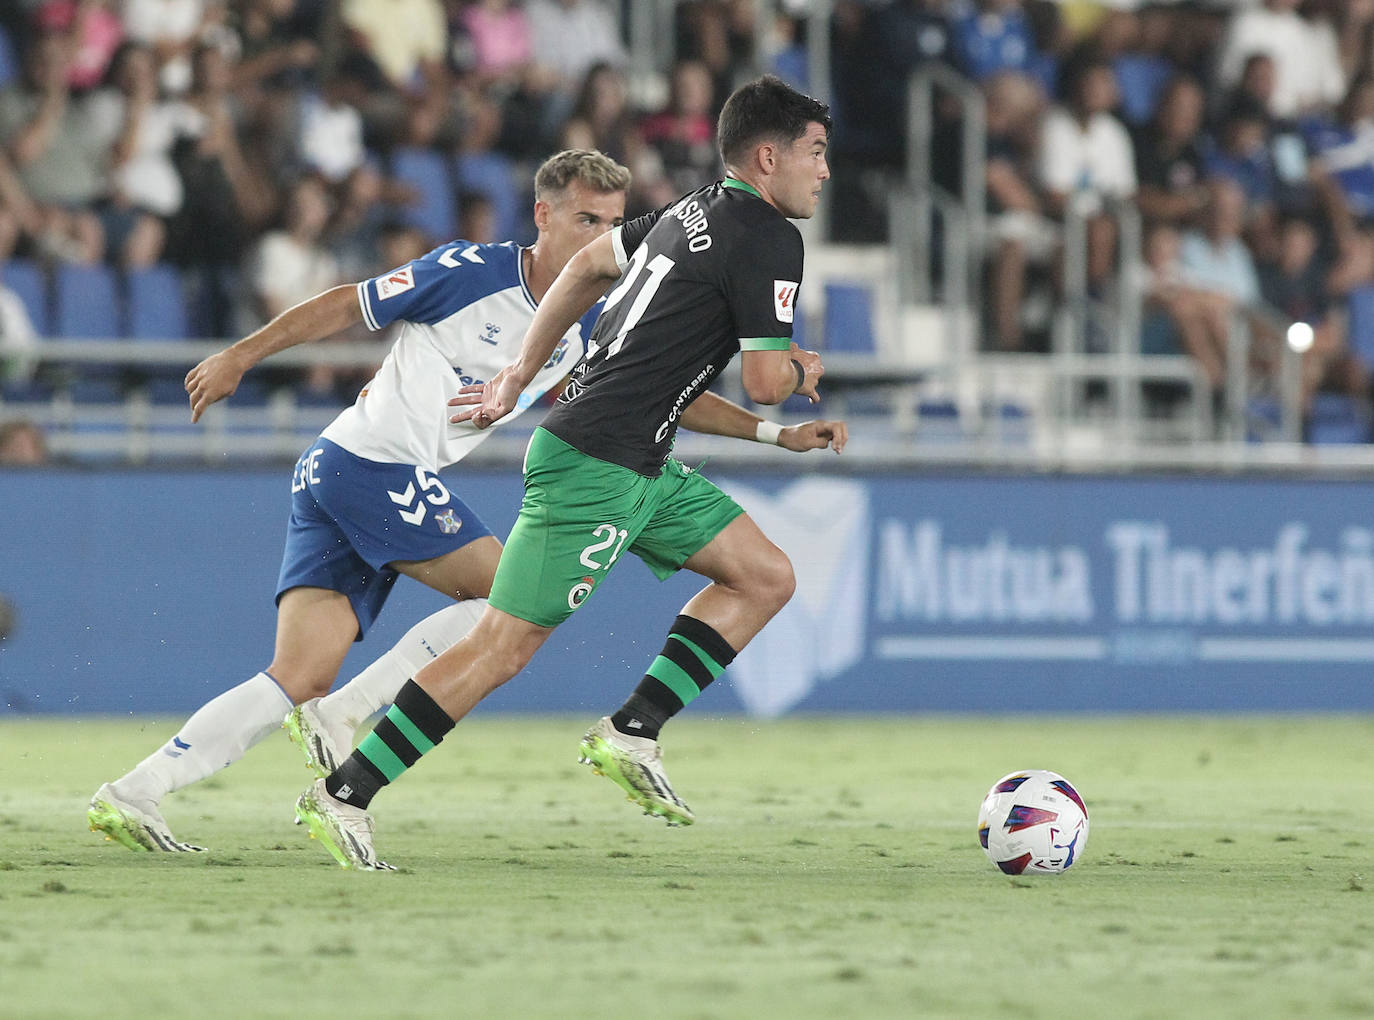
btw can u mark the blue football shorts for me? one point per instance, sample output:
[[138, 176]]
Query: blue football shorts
[[352, 517]]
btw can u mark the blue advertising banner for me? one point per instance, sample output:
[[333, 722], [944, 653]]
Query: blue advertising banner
[[149, 592]]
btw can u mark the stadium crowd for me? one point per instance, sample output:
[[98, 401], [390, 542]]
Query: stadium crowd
[[267, 149]]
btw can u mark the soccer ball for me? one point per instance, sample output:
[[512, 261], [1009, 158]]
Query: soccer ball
[[1033, 822]]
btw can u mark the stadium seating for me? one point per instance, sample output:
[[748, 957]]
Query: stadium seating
[[86, 303], [849, 318], [1337, 418], [155, 304], [9, 61], [1360, 305], [436, 209]]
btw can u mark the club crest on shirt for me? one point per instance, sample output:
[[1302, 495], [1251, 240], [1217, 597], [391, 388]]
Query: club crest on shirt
[[784, 298], [449, 522], [559, 353], [396, 282]]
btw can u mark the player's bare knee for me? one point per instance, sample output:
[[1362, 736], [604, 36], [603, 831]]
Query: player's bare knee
[[773, 581], [300, 687]]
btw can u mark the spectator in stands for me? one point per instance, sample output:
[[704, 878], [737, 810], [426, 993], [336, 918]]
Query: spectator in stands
[[988, 36], [1215, 258], [569, 38], [277, 48], [1342, 169], [1179, 317], [22, 444], [602, 119], [1134, 42], [140, 129], [1296, 284], [1241, 154], [228, 198], [1354, 23], [172, 29], [502, 44], [683, 133], [51, 140], [720, 34], [1019, 232], [95, 31], [1087, 160], [1307, 61], [289, 264], [1168, 156], [405, 39], [18, 213]]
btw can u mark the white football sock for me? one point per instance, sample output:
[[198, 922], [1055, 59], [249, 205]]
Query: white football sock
[[375, 687], [219, 733]]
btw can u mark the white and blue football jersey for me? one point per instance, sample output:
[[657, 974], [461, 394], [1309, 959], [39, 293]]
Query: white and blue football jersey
[[463, 311]]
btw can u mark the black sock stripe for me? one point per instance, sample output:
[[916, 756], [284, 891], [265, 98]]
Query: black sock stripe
[[689, 662], [423, 711], [704, 637], [356, 770], [660, 695], [390, 734]]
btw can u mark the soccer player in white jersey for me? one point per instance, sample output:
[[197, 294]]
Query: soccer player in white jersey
[[367, 504]]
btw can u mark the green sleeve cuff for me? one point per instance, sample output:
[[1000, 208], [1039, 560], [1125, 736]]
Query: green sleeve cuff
[[765, 343]]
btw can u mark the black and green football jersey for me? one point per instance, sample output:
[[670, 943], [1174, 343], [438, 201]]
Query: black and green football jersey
[[713, 273]]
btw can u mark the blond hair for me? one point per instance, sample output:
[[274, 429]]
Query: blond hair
[[588, 167]]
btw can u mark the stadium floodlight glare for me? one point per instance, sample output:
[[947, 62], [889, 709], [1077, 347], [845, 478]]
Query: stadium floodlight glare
[[1300, 337]]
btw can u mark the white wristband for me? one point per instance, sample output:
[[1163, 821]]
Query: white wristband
[[768, 432]]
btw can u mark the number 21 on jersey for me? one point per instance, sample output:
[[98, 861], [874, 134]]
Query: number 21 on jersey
[[658, 268]]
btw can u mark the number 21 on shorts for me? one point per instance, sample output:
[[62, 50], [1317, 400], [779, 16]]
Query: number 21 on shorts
[[597, 556]]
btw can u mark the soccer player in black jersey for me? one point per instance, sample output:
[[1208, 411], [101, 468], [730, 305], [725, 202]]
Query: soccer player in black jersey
[[714, 273]]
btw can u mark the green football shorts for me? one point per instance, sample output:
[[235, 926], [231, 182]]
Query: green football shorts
[[580, 513]]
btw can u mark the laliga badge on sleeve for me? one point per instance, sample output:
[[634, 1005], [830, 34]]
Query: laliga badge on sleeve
[[784, 298]]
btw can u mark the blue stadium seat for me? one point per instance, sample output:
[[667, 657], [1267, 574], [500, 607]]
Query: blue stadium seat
[[28, 281], [156, 304], [1360, 305], [436, 209], [492, 176], [849, 318], [167, 391], [95, 391], [9, 62], [86, 303], [249, 394], [1336, 418], [29, 391]]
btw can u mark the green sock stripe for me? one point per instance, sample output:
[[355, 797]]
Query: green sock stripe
[[712, 666], [675, 678], [383, 758], [409, 730]]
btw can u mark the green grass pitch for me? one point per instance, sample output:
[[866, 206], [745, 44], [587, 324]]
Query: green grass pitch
[[834, 872]]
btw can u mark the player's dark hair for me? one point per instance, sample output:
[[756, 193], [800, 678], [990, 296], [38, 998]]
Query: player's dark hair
[[766, 110], [592, 169]]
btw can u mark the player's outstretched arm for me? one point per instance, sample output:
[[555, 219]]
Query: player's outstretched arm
[[714, 415], [323, 315], [570, 296]]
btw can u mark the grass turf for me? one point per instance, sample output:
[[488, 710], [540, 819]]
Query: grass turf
[[834, 872]]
